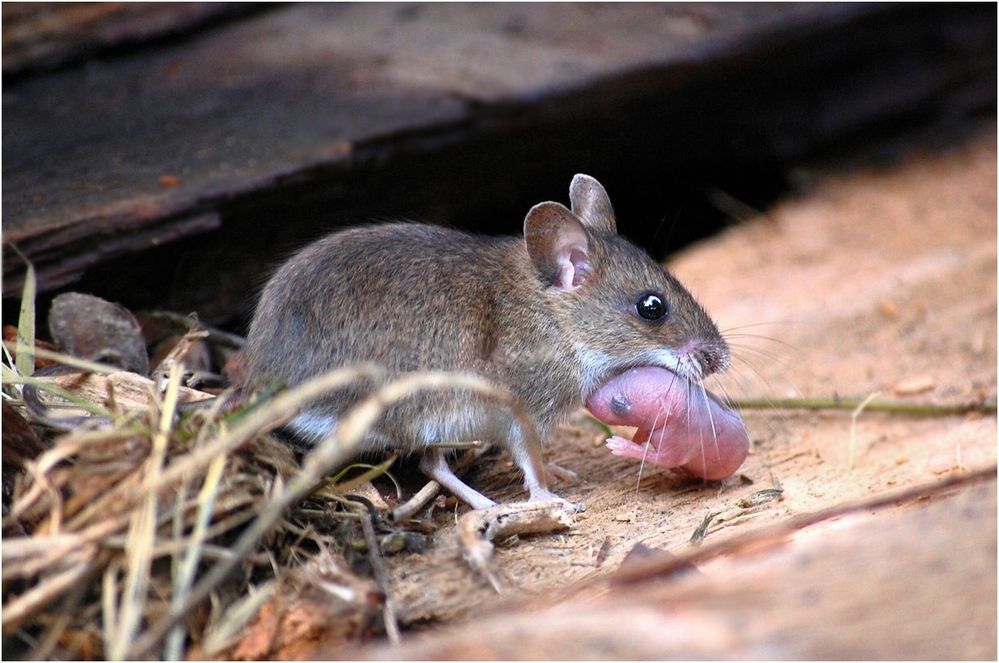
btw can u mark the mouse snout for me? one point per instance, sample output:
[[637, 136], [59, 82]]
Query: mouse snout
[[712, 360], [711, 357]]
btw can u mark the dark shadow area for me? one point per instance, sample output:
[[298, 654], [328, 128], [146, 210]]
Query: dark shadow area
[[680, 161]]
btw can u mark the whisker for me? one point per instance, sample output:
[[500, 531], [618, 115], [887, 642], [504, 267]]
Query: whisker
[[645, 451], [662, 431], [761, 324], [736, 349], [714, 432], [760, 337], [736, 376], [762, 377]]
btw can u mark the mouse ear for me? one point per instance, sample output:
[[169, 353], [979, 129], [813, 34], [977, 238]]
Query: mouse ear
[[558, 246], [591, 204]]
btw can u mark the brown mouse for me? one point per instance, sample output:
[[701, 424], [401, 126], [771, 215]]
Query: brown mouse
[[550, 316]]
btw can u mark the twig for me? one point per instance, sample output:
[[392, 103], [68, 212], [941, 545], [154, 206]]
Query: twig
[[478, 528], [643, 570], [378, 568], [84, 365], [186, 322], [893, 407], [415, 503], [430, 490], [21, 607]]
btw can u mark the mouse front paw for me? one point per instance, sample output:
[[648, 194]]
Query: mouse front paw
[[545, 495]]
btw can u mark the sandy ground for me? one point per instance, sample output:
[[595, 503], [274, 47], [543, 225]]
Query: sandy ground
[[876, 280]]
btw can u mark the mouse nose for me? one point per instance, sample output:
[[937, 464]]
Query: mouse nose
[[712, 360]]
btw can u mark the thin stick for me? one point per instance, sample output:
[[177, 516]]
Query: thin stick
[[430, 490], [214, 333], [415, 503], [894, 407], [378, 568], [22, 607]]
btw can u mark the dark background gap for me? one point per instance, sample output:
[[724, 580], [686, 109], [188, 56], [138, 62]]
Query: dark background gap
[[740, 131]]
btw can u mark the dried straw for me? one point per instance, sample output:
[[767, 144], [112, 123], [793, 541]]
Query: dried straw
[[122, 533]]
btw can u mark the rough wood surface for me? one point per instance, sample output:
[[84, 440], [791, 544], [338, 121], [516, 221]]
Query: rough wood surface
[[41, 35], [137, 151], [908, 578]]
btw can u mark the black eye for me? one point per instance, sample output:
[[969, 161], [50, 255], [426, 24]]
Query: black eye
[[651, 306]]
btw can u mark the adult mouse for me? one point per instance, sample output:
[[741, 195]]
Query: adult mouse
[[550, 317]]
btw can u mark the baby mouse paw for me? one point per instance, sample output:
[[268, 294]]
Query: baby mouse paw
[[622, 446]]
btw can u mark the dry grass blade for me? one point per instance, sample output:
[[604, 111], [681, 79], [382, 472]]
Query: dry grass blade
[[27, 557], [76, 362], [182, 584], [103, 507], [333, 486], [230, 624], [62, 621], [329, 454], [55, 585], [264, 419], [9, 377], [142, 532], [26, 322]]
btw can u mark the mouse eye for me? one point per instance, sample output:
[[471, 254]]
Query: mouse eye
[[651, 306]]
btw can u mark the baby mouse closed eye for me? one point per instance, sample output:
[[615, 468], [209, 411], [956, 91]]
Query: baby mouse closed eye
[[550, 317]]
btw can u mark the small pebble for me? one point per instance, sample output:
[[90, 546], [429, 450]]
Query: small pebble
[[888, 308], [916, 384]]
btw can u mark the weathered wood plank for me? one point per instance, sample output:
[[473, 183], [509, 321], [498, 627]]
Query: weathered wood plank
[[43, 35], [146, 148], [909, 579]]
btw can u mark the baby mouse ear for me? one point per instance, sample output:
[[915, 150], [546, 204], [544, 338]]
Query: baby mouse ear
[[591, 203], [558, 246]]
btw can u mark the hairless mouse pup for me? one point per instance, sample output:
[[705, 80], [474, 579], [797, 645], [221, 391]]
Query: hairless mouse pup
[[558, 318]]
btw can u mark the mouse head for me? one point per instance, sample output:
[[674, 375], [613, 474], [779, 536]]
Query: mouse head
[[618, 307]]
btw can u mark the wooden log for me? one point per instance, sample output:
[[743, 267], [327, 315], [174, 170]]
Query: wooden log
[[911, 577], [316, 102], [44, 35]]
